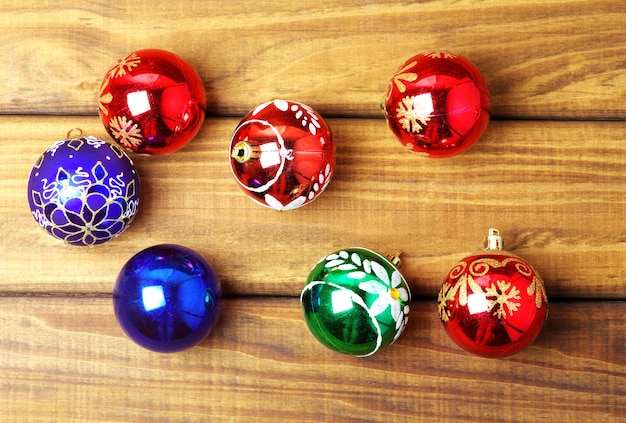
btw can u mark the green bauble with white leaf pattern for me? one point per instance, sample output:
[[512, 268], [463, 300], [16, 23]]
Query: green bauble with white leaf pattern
[[356, 301]]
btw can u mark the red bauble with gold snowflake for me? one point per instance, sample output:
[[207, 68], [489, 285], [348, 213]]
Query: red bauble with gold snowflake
[[493, 303], [152, 102], [437, 104]]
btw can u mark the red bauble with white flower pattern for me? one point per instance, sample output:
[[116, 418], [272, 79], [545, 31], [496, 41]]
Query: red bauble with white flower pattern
[[282, 154], [493, 303], [437, 104], [152, 102]]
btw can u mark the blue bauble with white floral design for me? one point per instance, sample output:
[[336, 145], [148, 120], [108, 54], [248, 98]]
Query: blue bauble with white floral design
[[83, 191], [356, 301]]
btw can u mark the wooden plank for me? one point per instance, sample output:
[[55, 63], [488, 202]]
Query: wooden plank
[[554, 186], [555, 190], [560, 59], [66, 360]]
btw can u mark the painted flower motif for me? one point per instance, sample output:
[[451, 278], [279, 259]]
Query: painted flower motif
[[307, 117], [390, 294], [92, 218], [323, 180], [383, 289], [400, 325], [277, 205]]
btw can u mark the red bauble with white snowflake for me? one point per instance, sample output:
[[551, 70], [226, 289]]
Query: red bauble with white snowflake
[[493, 303], [282, 154], [437, 104], [152, 102]]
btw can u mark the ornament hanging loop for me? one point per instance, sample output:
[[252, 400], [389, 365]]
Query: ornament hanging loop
[[395, 259], [493, 241], [74, 134]]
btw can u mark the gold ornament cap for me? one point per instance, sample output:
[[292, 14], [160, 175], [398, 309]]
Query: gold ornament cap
[[395, 259], [493, 241], [244, 151]]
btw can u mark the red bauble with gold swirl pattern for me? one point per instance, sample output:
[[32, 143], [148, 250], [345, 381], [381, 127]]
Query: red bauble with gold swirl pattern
[[493, 303]]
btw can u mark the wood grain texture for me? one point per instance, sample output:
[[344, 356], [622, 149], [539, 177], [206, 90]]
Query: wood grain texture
[[548, 173], [554, 189], [71, 362], [554, 59]]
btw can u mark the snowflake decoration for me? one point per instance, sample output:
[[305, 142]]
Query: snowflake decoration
[[402, 76], [124, 65], [104, 98], [441, 55], [449, 291], [446, 293], [501, 296], [412, 115], [125, 131]]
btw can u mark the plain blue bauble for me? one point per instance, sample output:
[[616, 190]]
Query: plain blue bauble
[[167, 298]]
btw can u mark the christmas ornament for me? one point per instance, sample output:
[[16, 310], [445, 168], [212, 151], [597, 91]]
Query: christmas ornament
[[282, 154], [167, 298], [356, 301], [437, 104], [493, 303], [152, 102], [83, 191]]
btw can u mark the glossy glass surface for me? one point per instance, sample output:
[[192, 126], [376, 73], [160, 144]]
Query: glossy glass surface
[[493, 304], [83, 191], [437, 104], [167, 298], [282, 154], [356, 302], [152, 101]]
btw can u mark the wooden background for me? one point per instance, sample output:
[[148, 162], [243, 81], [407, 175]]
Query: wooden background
[[548, 173]]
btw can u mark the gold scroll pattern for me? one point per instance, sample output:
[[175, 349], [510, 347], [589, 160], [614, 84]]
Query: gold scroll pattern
[[501, 293]]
